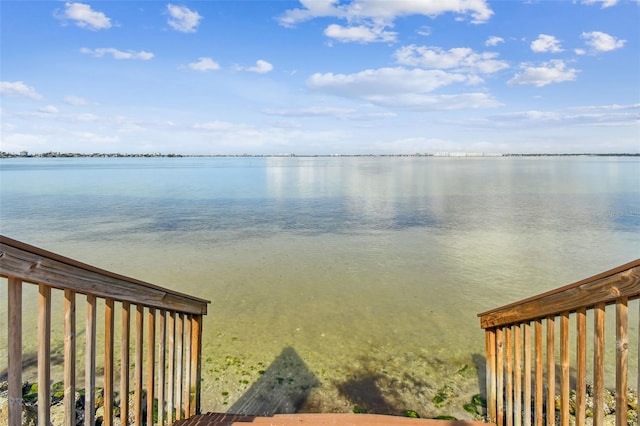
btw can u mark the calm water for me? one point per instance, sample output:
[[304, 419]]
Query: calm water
[[368, 271]]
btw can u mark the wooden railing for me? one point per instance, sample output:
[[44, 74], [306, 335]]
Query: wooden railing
[[527, 376], [170, 377]]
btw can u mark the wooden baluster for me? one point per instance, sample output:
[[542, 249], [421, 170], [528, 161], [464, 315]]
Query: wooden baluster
[[162, 335], [500, 376], [509, 375], [138, 364], [622, 360], [490, 350], [108, 361], [90, 363], [551, 372], [565, 367], [527, 374], [125, 339], [187, 367], [14, 378], [598, 366], [171, 355], [517, 407], [70, 357], [179, 364], [44, 355], [151, 371], [539, 373], [581, 370]]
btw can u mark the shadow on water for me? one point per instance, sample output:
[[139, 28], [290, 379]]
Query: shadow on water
[[283, 388]]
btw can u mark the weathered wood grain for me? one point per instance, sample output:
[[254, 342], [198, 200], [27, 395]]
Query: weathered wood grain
[[44, 354], [15, 351], [603, 288], [90, 362], [581, 369], [35, 265], [69, 357], [622, 360], [125, 344]]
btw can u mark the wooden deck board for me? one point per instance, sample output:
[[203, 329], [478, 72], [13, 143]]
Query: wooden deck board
[[222, 419]]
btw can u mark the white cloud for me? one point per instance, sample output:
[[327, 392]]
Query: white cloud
[[580, 51], [460, 58], [430, 102], [204, 64], [383, 81], [602, 42], [75, 100], [216, 126], [425, 30], [261, 67], [183, 19], [605, 3], [400, 87], [608, 107], [117, 54], [49, 109], [546, 43], [85, 17], [18, 88], [360, 33], [595, 116], [387, 12], [493, 41], [311, 112], [335, 112], [550, 72]]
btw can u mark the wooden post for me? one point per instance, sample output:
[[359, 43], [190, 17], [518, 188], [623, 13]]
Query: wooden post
[[196, 369], [622, 361], [15, 351], [90, 363], [70, 357], [44, 355]]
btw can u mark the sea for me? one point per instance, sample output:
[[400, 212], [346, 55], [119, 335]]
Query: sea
[[354, 282]]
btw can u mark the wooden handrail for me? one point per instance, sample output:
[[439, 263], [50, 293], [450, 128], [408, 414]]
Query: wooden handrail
[[606, 287], [508, 336], [22, 263], [36, 265]]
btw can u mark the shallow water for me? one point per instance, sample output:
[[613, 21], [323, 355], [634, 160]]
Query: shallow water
[[364, 273]]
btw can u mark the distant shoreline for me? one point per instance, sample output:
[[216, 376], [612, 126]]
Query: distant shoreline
[[441, 154]]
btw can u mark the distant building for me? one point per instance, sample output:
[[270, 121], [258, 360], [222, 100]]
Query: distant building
[[24, 154]]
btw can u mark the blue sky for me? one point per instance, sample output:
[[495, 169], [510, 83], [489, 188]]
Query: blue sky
[[320, 76]]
